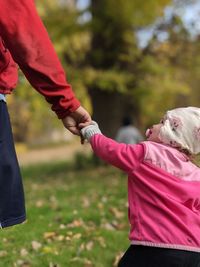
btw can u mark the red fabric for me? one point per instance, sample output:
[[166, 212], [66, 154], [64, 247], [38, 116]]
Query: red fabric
[[27, 40]]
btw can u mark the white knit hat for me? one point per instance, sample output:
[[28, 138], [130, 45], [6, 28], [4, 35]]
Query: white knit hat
[[181, 129]]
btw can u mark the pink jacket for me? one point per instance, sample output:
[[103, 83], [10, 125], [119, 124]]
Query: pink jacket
[[163, 192]]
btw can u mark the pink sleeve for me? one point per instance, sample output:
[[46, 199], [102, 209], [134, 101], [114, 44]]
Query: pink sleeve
[[122, 156]]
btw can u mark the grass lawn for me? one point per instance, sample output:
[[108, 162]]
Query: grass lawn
[[76, 217]]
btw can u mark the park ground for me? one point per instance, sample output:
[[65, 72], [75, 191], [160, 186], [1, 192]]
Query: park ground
[[76, 212]]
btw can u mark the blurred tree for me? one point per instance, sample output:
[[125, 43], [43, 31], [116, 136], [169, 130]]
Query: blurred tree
[[127, 78], [105, 64], [116, 82], [180, 54]]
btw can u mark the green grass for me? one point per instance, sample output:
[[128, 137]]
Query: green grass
[[76, 217]]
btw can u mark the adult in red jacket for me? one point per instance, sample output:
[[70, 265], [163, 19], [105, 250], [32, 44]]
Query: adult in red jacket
[[24, 38], [24, 41]]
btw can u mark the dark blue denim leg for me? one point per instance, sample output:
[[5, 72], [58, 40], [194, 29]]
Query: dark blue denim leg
[[12, 206]]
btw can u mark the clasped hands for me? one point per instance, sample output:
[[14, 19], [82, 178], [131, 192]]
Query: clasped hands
[[77, 120]]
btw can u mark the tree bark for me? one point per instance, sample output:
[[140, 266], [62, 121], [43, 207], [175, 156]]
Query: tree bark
[[109, 108]]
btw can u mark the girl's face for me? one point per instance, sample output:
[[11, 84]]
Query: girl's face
[[152, 133]]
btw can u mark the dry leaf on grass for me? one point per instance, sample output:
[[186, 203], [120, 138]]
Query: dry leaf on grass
[[117, 213], [53, 265], [23, 252], [36, 245], [3, 253], [117, 258], [89, 246], [49, 235], [85, 261], [75, 224], [22, 263]]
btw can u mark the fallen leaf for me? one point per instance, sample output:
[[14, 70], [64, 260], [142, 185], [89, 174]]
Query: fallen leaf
[[62, 226], [23, 252], [3, 253], [53, 264], [117, 213], [68, 238], [89, 245], [85, 202], [50, 250], [117, 258], [49, 235], [85, 261], [101, 241], [104, 199], [77, 236], [39, 203], [75, 223], [60, 238], [21, 263], [36, 245], [107, 226]]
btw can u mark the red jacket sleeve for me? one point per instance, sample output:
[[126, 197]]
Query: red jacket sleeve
[[28, 42], [8, 70]]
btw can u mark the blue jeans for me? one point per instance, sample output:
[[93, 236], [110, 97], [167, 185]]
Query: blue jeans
[[143, 256], [12, 207]]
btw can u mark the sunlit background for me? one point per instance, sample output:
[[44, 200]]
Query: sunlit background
[[123, 58], [136, 58]]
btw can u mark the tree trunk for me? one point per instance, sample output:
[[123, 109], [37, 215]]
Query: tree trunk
[[109, 108]]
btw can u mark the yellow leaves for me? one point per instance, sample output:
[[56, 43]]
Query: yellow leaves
[[50, 250], [69, 236], [49, 236]]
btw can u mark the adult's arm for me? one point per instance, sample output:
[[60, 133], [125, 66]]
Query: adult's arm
[[28, 42]]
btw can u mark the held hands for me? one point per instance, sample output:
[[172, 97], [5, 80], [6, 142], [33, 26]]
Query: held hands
[[80, 123], [77, 120], [90, 130]]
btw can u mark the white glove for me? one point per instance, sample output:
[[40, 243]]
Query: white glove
[[88, 131]]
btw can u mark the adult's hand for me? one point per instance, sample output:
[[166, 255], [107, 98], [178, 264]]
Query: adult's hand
[[77, 120]]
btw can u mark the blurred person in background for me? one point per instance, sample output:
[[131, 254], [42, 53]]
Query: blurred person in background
[[128, 133], [24, 41]]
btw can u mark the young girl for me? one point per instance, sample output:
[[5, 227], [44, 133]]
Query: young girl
[[163, 189]]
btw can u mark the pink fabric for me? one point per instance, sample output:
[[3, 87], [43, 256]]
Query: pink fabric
[[163, 192]]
